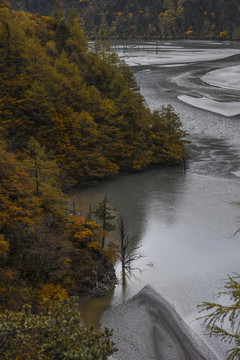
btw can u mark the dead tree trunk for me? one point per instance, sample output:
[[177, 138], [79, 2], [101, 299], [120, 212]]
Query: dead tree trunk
[[127, 254]]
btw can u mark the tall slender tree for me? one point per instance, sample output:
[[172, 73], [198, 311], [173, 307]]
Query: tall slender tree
[[104, 214]]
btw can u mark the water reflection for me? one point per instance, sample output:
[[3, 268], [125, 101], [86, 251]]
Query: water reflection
[[93, 308], [139, 197], [184, 222], [165, 196]]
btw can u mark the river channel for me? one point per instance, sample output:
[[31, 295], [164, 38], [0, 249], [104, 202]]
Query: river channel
[[183, 221]]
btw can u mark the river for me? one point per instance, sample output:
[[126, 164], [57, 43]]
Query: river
[[183, 221]]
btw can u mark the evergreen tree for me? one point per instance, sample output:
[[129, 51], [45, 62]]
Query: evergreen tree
[[46, 174], [104, 214], [218, 314]]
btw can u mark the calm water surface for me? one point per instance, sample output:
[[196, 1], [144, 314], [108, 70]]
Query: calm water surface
[[184, 222]]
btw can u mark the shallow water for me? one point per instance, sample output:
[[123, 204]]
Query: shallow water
[[183, 221]]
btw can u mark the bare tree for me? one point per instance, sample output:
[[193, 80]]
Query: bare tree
[[127, 253]]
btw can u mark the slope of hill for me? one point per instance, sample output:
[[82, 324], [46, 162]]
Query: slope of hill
[[68, 116], [157, 19]]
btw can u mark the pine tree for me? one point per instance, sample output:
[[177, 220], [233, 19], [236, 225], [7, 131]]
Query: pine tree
[[104, 214]]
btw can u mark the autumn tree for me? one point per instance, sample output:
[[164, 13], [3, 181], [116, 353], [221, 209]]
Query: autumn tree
[[45, 172], [16, 191], [83, 106], [168, 137], [6, 274], [69, 115], [167, 22], [138, 19]]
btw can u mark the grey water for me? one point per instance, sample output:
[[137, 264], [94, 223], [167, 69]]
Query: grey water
[[183, 221]]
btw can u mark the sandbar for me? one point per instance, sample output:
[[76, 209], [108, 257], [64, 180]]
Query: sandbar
[[147, 327], [225, 108], [227, 78], [176, 56]]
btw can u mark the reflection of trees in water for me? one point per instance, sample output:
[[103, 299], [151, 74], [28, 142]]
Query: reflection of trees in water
[[93, 308], [165, 196], [128, 253], [153, 195]]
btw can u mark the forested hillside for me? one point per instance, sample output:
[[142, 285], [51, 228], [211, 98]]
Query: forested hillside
[[83, 106], [68, 116], [156, 19]]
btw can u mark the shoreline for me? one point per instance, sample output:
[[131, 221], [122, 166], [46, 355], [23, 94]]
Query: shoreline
[[147, 327]]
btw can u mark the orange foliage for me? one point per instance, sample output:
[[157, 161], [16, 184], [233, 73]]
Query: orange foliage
[[48, 294], [85, 231]]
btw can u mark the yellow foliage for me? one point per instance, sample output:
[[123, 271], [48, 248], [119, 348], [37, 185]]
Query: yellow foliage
[[137, 165], [189, 33], [112, 254], [4, 245], [95, 246], [84, 234], [223, 34], [48, 294], [84, 230]]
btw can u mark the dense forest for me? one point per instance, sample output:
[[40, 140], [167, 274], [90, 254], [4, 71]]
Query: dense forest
[[69, 115], [154, 19]]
